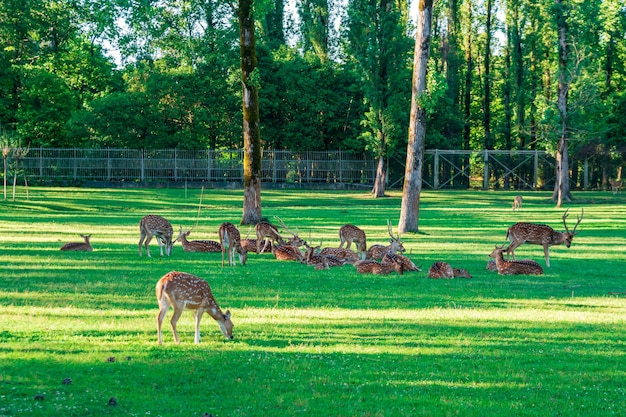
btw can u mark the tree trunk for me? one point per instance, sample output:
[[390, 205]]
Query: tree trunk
[[251, 130], [381, 173], [409, 212], [561, 184]]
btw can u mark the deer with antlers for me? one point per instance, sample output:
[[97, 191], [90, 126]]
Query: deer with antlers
[[540, 234], [504, 267], [79, 246], [156, 226], [369, 266], [230, 240], [350, 233], [185, 291], [197, 245], [379, 251]]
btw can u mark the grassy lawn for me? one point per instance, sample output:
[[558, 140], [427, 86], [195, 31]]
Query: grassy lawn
[[307, 342]]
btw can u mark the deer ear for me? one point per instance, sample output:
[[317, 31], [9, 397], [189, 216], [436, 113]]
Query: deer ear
[[227, 315]]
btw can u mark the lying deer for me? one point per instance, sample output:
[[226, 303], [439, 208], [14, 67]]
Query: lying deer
[[319, 260], [185, 291], [197, 245], [517, 202], [369, 266], [445, 270], [230, 240], [379, 251], [157, 226], [540, 234], [504, 267], [343, 254], [250, 245], [79, 246], [350, 233], [407, 264]]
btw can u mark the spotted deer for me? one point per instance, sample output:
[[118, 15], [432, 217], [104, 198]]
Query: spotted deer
[[440, 270], [230, 239], [346, 255], [517, 202], [185, 291], [350, 233], [250, 245], [369, 266], [287, 252], [407, 264], [616, 186], [197, 245], [266, 230], [79, 246], [379, 251], [540, 234], [156, 226], [504, 267]]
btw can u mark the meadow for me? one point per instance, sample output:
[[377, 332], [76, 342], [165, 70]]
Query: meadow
[[307, 342]]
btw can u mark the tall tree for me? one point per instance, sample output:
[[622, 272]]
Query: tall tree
[[409, 212], [315, 26], [562, 185], [250, 81]]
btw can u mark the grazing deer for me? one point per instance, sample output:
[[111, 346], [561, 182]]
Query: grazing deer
[[350, 233], [197, 245], [540, 234], [343, 254], [616, 186], [185, 291], [407, 264], [504, 267], [379, 251], [157, 226], [440, 270], [517, 202], [230, 239], [79, 246], [369, 266], [266, 230]]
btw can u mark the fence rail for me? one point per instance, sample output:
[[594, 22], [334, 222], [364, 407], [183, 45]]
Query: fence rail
[[442, 168]]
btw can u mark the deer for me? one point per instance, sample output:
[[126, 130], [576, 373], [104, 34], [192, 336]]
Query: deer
[[616, 186], [319, 260], [504, 267], [287, 252], [250, 245], [350, 233], [540, 234], [407, 264], [369, 266], [230, 240], [343, 254], [517, 202], [79, 246], [157, 226], [266, 230], [186, 291], [197, 245], [378, 251], [444, 270]]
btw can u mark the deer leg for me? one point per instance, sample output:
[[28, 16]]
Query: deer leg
[[546, 252], [223, 255], [163, 305], [177, 313], [146, 244], [141, 238], [197, 317]]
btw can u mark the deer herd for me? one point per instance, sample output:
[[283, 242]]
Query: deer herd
[[186, 291]]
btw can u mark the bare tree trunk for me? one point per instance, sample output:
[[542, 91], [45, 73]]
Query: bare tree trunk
[[251, 130], [381, 173], [561, 186], [409, 212]]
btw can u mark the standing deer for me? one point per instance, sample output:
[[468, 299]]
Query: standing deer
[[197, 245], [540, 234], [79, 246], [266, 230], [517, 202], [616, 186], [230, 239], [350, 233], [504, 267], [378, 251], [185, 291], [157, 226]]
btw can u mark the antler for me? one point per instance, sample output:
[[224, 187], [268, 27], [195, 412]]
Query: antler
[[390, 230], [282, 223], [573, 232]]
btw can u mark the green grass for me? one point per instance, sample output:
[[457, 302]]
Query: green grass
[[311, 343]]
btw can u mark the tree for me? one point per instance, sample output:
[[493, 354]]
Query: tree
[[562, 186], [409, 211], [251, 131]]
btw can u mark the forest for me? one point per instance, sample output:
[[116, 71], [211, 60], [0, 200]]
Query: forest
[[331, 74]]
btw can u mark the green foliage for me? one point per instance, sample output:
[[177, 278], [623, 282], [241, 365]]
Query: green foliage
[[310, 342]]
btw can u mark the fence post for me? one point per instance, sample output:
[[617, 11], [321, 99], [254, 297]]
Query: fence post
[[108, 164], [436, 170], [536, 171], [486, 170], [142, 173], [586, 175]]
